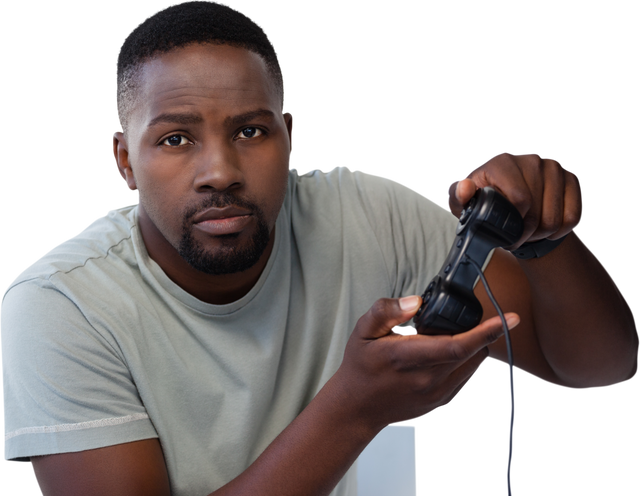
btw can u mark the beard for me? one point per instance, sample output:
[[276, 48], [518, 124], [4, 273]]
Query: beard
[[230, 257]]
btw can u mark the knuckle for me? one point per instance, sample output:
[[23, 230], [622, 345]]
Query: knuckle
[[401, 359], [550, 222], [424, 384], [521, 198], [457, 351], [374, 312], [396, 360], [380, 309], [534, 161], [385, 305], [572, 218]]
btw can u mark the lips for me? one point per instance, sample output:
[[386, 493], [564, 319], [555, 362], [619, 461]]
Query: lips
[[220, 213], [227, 225]]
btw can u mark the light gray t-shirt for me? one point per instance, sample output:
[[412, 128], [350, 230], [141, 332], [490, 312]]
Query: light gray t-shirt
[[100, 347]]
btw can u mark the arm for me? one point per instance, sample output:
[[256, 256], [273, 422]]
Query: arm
[[309, 457], [384, 378], [312, 454], [576, 328], [136, 468], [593, 344]]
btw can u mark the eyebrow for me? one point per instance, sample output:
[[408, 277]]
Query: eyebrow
[[191, 118]]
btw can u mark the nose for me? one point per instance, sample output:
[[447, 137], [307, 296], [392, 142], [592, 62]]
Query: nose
[[217, 169]]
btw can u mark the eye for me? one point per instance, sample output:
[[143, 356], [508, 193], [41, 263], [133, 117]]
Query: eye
[[249, 132], [176, 140]]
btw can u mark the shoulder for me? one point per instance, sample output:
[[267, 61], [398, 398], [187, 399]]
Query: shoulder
[[106, 238], [341, 187]]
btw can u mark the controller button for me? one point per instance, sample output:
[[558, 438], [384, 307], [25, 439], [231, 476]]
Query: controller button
[[426, 297], [466, 213], [459, 243], [447, 269]]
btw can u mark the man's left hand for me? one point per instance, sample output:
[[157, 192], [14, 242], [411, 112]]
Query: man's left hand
[[547, 196]]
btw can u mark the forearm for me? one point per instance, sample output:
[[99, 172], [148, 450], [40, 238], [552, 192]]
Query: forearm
[[584, 327], [312, 454]]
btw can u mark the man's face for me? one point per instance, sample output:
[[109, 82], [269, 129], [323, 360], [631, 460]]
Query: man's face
[[208, 150]]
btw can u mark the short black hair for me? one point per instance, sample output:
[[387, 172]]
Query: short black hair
[[182, 25]]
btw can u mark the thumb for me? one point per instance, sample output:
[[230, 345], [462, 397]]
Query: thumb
[[385, 314], [460, 193], [409, 305]]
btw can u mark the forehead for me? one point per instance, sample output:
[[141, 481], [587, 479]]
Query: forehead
[[204, 74]]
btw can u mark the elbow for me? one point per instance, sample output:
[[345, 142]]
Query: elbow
[[599, 378]]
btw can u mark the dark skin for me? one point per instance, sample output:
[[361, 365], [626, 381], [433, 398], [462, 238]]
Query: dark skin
[[179, 170]]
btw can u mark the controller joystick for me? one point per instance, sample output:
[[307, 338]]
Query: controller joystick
[[449, 306]]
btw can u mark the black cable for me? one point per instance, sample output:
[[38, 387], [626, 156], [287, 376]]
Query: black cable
[[509, 358]]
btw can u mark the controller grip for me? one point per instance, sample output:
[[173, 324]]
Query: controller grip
[[447, 311]]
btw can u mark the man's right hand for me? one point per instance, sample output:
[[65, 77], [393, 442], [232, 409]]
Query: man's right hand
[[392, 377]]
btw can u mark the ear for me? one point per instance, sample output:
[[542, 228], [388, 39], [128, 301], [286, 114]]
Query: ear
[[290, 122], [121, 153]]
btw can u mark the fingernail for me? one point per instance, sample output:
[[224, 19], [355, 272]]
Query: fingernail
[[512, 321], [409, 303]]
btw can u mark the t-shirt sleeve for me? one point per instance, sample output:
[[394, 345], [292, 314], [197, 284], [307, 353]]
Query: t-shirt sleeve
[[66, 386]]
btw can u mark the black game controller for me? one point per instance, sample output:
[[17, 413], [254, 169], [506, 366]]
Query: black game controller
[[449, 306]]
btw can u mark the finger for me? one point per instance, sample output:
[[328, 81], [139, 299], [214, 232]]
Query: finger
[[462, 346], [427, 350], [505, 174], [572, 205], [464, 191], [552, 206], [385, 314], [459, 194]]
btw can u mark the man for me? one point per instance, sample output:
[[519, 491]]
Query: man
[[196, 343]]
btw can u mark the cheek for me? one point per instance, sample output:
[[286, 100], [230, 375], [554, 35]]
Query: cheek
[[282, 188], [160, 180], [160, 195]]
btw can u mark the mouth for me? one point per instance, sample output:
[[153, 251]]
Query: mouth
[[224, 226]]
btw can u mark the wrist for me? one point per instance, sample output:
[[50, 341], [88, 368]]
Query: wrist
[[537, 249]]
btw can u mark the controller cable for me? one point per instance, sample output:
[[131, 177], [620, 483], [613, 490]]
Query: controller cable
[[507, 337]]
